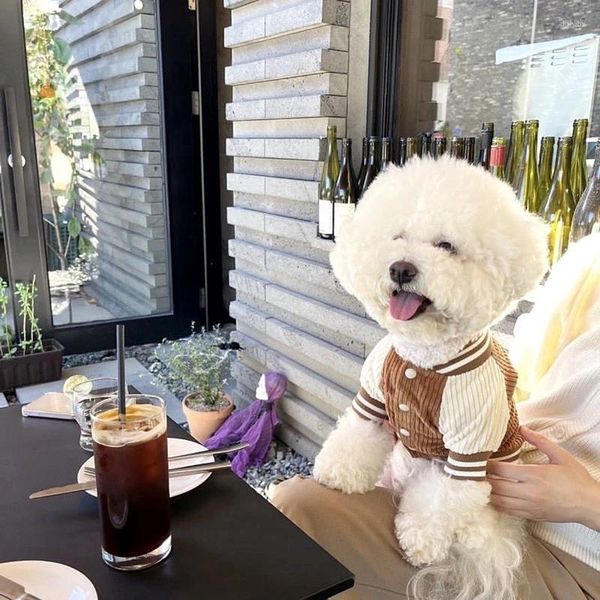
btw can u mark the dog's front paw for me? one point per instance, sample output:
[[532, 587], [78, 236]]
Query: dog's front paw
[[347, 478], [425, 541]]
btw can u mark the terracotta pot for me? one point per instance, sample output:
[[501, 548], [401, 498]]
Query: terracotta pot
[[203, 423]]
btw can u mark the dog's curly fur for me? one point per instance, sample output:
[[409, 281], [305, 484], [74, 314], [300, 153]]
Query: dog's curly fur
[[493, 252]]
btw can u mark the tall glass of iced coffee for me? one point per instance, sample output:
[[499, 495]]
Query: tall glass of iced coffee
[[132, 478]]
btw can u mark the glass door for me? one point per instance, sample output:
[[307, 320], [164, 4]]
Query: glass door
[[94, 211]]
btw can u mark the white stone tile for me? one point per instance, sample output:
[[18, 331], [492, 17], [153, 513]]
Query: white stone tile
[[245, 147], [241, 217], [288, 128], [276, 167], [252, 184]]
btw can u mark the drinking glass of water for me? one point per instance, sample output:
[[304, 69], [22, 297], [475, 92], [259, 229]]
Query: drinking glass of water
[[85, 395]]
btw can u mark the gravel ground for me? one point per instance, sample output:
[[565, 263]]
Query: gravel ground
[[282, 463]]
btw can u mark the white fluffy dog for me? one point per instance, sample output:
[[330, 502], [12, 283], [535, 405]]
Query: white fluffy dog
[[437, 252]]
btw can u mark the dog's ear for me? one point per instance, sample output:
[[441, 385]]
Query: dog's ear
[[531, 264]]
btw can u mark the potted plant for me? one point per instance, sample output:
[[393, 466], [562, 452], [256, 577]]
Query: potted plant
[[25, 358], [199, 366]]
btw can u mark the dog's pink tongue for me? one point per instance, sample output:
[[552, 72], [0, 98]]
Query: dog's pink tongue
[[404, 305]]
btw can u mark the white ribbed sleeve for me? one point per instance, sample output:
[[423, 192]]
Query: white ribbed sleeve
[[565, 407], [370, 376], [474, 411]]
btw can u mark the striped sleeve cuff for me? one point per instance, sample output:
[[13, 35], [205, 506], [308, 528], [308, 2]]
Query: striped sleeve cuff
[[467, 466], [368, 408]]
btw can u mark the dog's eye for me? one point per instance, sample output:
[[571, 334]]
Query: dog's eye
[[447, 246]]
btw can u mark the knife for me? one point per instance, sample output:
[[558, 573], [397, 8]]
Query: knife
[[91, 485], [226, 450], [14, 591]]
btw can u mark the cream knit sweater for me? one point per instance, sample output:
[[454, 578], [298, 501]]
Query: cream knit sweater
[[557, 355]]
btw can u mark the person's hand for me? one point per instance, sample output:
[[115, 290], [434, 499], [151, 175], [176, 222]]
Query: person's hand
[[561, 491]]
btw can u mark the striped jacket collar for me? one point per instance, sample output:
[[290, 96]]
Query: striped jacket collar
[[470, 357]]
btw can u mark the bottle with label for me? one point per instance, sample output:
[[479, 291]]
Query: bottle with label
[[439, 146], [516, 143], [586, 218], [363, 164], [497, 158], [386, 152], [545, 166], [331, 170], [527, 180], [578, 166], [372, 168], [457, 147], [345, 193], [487, 136], [412, 148], [559, 206]]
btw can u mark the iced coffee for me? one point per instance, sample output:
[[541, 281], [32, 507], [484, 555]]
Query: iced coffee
[[130, 456]]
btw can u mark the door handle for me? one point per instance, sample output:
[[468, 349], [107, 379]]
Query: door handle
[[18, 162]]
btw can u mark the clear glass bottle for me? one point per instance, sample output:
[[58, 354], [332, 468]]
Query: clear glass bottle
[[363, 164], [331, 170], [411, 148], [386, 152], [559, 205], [439, 146], [457, 147], [586, 218], [372, 168], [345, 194]]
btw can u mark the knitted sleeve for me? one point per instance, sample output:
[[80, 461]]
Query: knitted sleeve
[[474, 414], [369, 402]]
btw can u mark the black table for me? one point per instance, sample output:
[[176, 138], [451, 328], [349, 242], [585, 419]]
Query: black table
[[228, 542]]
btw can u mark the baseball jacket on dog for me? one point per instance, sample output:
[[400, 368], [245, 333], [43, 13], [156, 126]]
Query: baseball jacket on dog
[[461, 412]]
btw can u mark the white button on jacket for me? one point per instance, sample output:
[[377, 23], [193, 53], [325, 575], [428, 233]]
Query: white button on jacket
[[410, 373]]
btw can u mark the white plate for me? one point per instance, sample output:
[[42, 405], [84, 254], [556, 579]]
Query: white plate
[[177, 485], [49, 580]]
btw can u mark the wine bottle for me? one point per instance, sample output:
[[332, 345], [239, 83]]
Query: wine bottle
[[545, 166], [527, 171], [439, 146], [470, 149], [559, 205], [487, 136], [411, 148], [386, 151], [331, 170], [424, 144], [345, 193], [372, 169], [515, 148], [401, 157], [578, 166], [497, 157], [457, 147], [363, 164], [586, 218]]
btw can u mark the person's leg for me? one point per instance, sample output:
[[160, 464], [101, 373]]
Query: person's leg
[[358, 530]]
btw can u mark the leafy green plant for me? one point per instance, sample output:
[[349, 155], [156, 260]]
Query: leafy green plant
[[200, 364], [50, 84], [30, 334], [6, 336]]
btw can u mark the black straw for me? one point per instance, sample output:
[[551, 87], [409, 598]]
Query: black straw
[[121, 385]]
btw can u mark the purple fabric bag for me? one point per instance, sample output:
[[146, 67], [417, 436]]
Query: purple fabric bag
[[254, 424]]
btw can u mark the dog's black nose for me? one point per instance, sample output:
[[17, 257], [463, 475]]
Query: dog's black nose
[[402, 272]]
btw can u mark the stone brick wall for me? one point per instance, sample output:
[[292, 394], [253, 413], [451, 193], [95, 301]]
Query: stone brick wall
[[289, 79], [480, 90], [114, 47]]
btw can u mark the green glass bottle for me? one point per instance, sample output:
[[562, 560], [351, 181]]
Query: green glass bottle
[[497, 158], [412, 148], [516, 144], [527, 171], [559, 206], [470, 149], [365, 159], [457, 147], [345, 193], [545, 166], [331, 170], [578, 166], [487, 137], [586, 218], [372, 165]]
